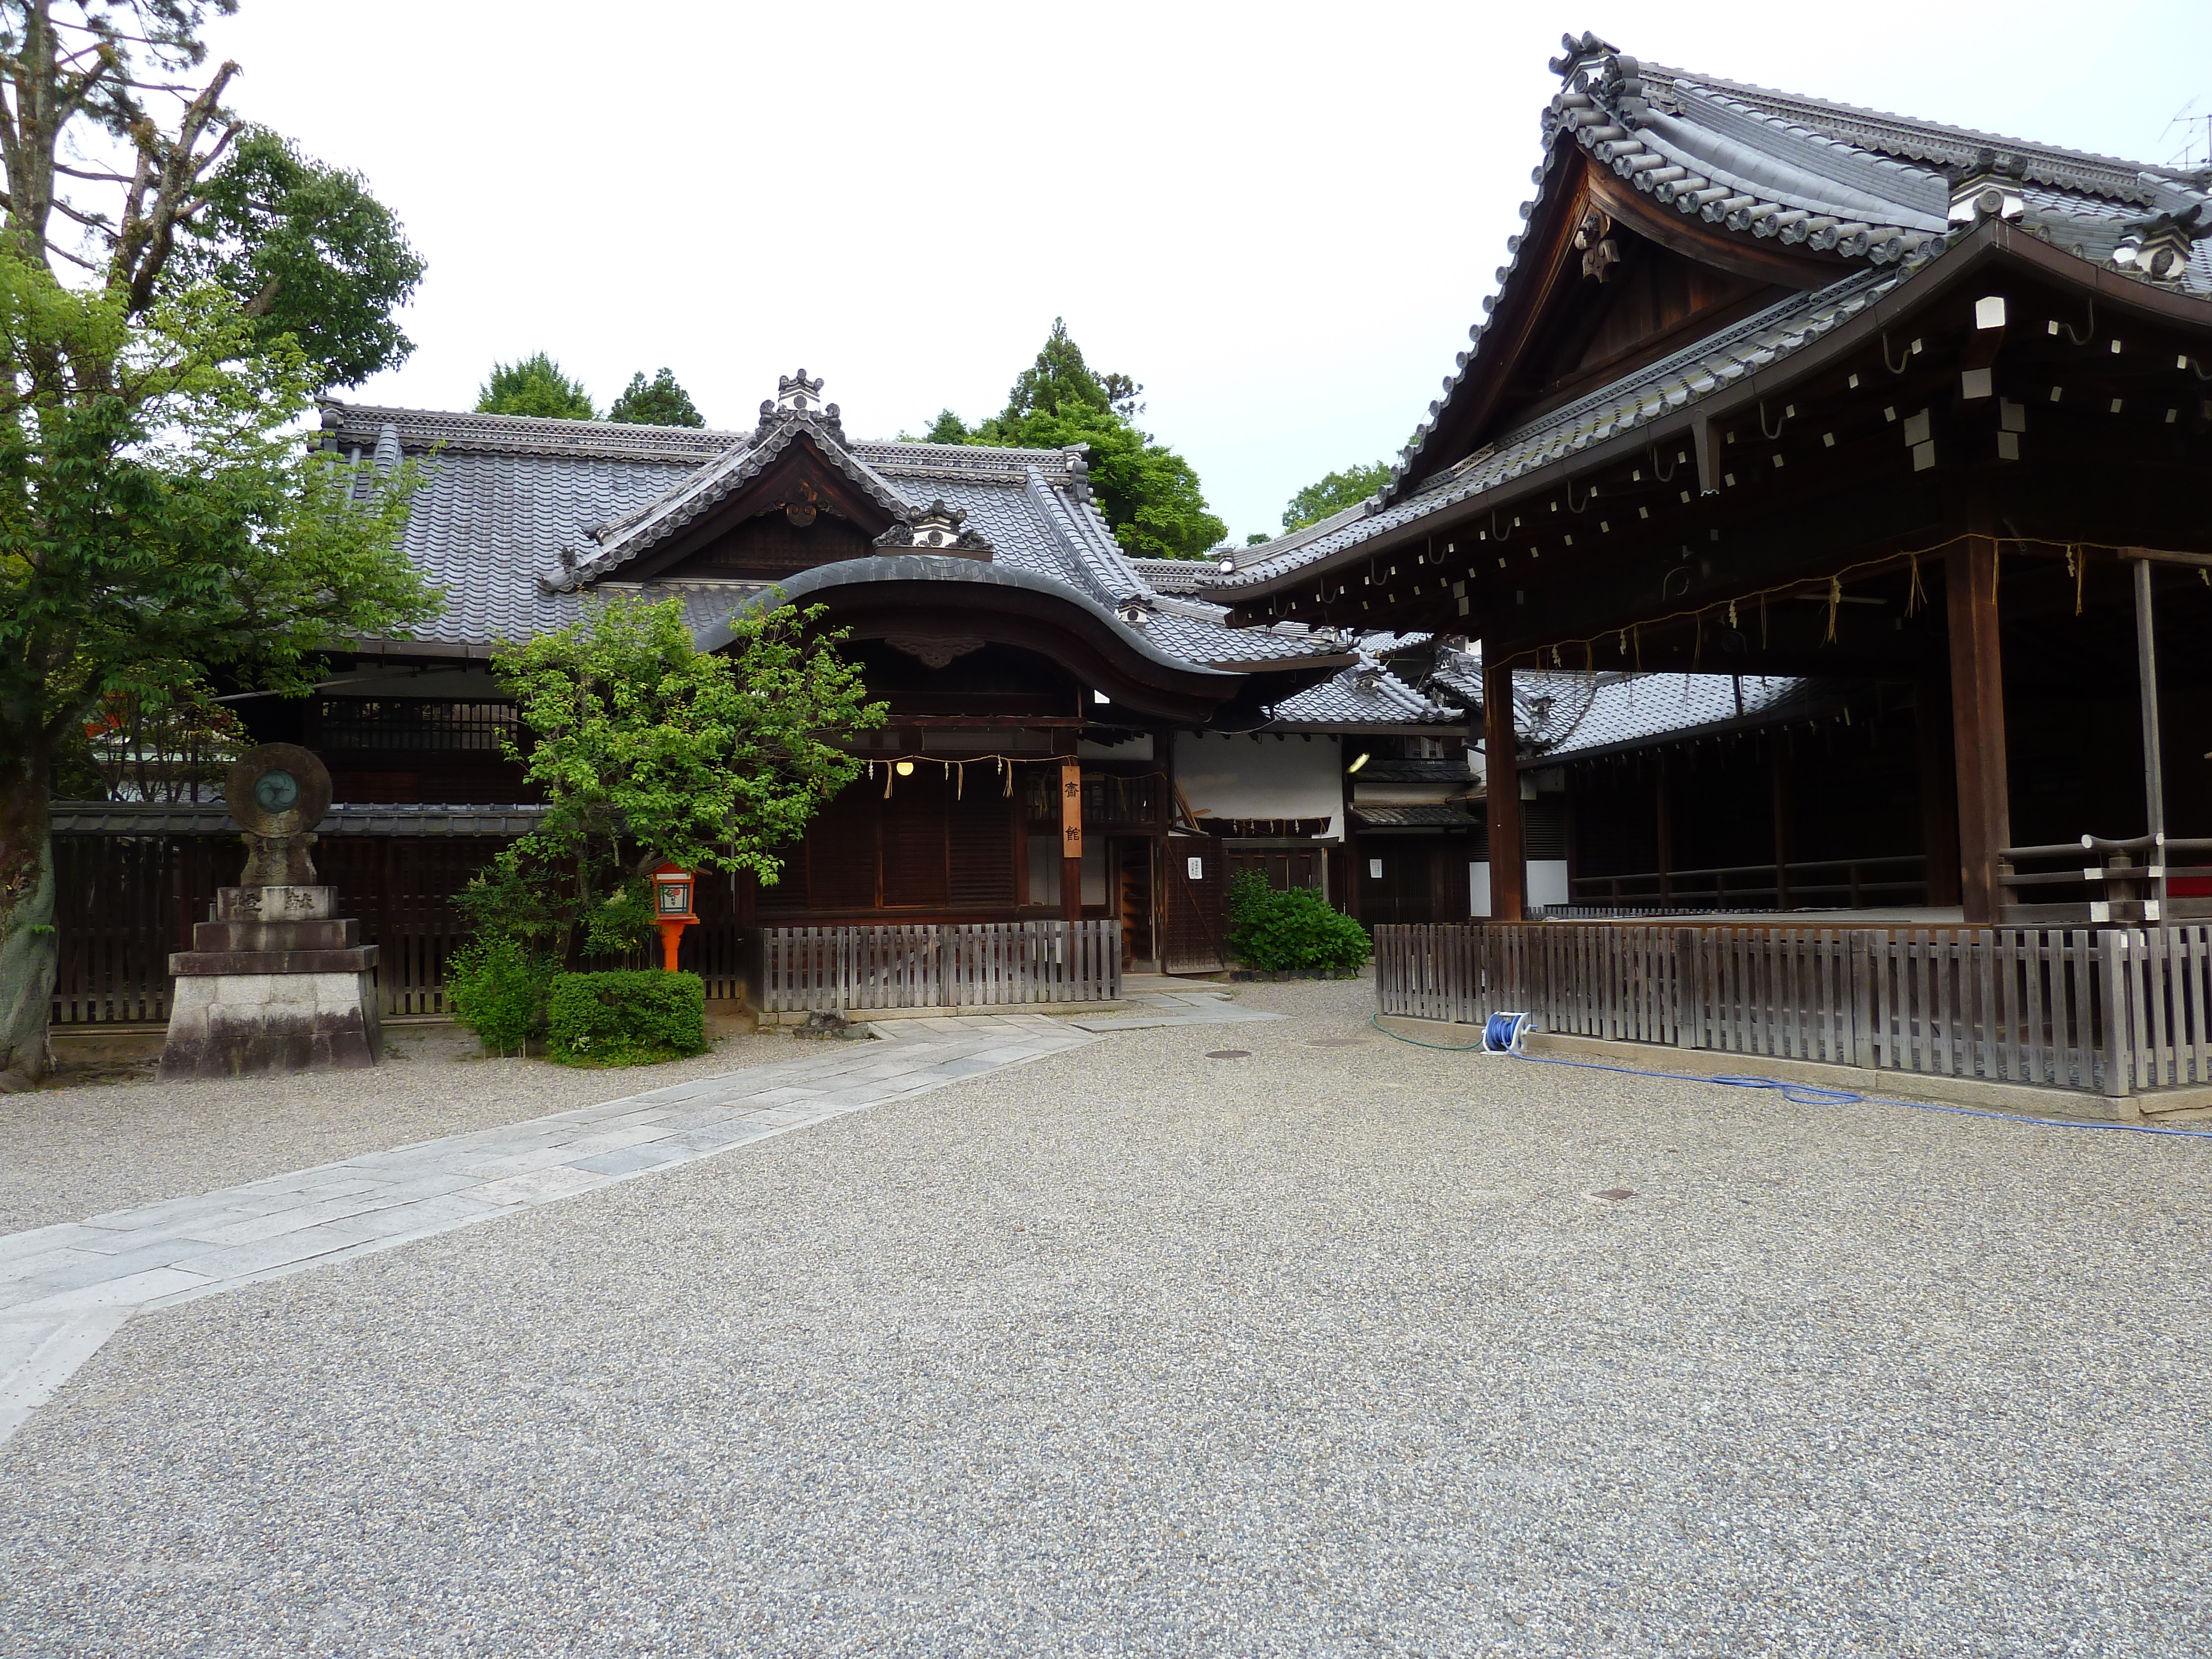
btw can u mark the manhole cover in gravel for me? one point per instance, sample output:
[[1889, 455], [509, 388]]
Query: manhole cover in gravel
[[1229, 1053], [1613, 1194], [1336, 1043]]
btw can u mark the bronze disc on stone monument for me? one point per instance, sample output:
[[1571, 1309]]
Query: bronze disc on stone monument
[[278, 793], [275, 980]]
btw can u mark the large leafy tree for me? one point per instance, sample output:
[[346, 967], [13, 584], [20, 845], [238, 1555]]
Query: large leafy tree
[[1150, 494], [534, 385], [308, 252], [161, 526], [657, 401], [1332, 493], [647, 748]]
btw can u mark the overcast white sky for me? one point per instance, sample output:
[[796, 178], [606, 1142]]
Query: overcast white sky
[[1280, 218]]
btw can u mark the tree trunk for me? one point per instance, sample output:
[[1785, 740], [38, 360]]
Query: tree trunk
[[27, 945]]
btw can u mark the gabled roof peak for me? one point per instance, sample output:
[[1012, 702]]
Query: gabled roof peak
[[1789, 184], [797, 399]]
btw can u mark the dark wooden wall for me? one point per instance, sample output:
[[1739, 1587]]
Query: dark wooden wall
[[125, 902]]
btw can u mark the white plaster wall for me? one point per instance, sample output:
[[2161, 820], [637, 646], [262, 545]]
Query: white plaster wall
[[1265, 777], [1137, 748], [1547, 884]]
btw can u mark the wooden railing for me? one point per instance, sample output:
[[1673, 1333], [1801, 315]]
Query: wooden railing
[[1818, 884], [2113, 1011], [2146, 879], [953, 965]]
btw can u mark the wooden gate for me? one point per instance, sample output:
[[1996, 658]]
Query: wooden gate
[[1197, 885], [937, 965]]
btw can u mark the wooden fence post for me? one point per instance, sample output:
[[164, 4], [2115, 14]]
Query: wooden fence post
[[2120, 1061], [1689, 1030]]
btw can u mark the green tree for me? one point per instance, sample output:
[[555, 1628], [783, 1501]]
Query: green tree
[[308, 252], [946, 428], [162, 525], [647, 748], [1333, 494], [657, 401], [1150, 496], [534, 385]]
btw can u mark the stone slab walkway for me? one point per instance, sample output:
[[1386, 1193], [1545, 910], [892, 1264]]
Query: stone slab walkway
[[1154, 1009], [65, 1289]]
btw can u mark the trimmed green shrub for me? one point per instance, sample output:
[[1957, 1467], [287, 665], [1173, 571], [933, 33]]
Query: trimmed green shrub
[[1274, 931], [496, 989], [630, 1017]]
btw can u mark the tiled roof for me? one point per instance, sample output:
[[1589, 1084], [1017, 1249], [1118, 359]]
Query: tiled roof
[[1291, 540], [1874, 189], [1437, 816], [1568, 716], [1561, 714], [1178, 577], [505, 498], [1711, 365], [100, 818], [646, 527], [1366, 695]]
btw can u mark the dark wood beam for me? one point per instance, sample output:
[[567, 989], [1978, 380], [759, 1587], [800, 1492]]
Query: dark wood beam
[[1939, 791], [1935, 308], [1501, 786], [1690, 236], [1978, 721]]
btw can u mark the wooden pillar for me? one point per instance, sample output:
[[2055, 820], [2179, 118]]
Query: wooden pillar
[[1501, 775], [1939, 794], [1071, 840], [1664, 826], [1784, 830], [1978, 724], [2154, 765]]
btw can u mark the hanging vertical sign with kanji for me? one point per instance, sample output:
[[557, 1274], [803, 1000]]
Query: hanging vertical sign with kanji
[[1071, 809]]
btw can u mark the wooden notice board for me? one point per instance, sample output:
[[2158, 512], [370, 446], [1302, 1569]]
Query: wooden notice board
[[1071, 809]]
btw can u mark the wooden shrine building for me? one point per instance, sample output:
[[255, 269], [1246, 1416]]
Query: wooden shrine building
[[1787, 393]]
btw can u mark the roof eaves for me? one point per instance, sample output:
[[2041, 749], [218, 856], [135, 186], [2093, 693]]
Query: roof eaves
[[1610, 116], [1836, 319]]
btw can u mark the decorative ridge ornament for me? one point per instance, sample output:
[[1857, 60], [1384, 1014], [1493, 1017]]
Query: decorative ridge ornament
[[1575, 53], [937, 528], [799, 399], [1991, 189], [2159, 247], [797, 393]]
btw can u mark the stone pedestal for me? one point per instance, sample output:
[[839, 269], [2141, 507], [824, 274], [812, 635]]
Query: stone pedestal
[[274, 983]]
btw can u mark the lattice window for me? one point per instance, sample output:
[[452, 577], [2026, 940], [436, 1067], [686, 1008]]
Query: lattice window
[[413, 725]]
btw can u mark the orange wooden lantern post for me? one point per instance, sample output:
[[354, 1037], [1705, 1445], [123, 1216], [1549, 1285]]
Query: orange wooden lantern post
[[671, 909]]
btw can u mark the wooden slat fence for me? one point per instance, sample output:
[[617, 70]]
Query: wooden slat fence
[[950, 965], [2112, 1011]]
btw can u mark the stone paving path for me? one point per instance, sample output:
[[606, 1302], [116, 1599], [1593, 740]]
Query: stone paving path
[[65, 1289]]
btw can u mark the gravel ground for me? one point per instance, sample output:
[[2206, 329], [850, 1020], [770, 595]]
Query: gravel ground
[[1321, 1351], [76, 1152]]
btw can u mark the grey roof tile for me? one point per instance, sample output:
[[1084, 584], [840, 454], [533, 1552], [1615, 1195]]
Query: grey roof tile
[[1695, 372], [102, 818], [504, 496], [1366, 695], [1438, 815], [1869, 188]]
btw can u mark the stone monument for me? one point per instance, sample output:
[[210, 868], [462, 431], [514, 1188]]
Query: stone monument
[[274, 982]]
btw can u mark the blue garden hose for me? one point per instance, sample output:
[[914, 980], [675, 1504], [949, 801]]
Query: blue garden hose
[[1507, 1034]]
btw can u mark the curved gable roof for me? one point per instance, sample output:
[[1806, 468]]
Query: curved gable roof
[[1781, 173]]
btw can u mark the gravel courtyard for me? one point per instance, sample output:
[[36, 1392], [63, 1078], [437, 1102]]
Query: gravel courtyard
[[1325, 1350], [74, 1152]]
